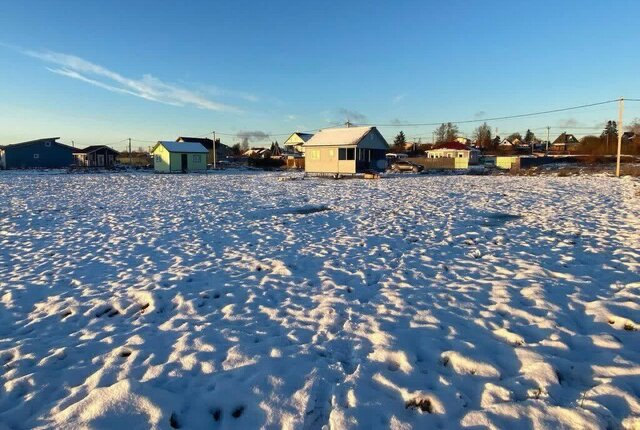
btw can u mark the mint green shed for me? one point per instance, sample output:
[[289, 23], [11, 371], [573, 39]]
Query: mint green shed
[[179, 157]]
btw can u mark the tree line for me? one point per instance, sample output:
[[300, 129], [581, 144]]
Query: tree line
[[484, 138]]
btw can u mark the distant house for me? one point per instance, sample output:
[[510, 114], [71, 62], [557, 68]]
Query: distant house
[[347, 150], [2, 158], [463, 154], [95, 156], [41, 153], [463, 140], [176, 157], [512, 144], [222, 150], [257, 153], [564, 142], [295, 142]]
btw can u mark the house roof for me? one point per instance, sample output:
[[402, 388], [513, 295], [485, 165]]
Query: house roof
[[204, 141], [457, 146], [191, 147], [31, 142], [93, 148], [565, 138], [303, 136], [345, 136]]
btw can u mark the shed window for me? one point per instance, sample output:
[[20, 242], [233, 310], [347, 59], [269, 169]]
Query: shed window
[[346, 154], [158, 158], [47, 144], [36, 155], [197, 158]]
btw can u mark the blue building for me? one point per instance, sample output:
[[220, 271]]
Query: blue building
[[42, 153]]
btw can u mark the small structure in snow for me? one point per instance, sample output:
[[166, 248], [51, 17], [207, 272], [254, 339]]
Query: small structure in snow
[[348, 150], [95, 156], [34, 154], [179, 157], [463, 154]]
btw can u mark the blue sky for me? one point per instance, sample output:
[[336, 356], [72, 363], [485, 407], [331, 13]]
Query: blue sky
[[99, 72]]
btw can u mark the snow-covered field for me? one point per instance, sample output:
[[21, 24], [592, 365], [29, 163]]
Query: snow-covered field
[[239, 301]]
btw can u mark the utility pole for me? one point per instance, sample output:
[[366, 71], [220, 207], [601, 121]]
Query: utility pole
[[620, 112], [215, 152], [130, 162], [73, 144], [547, 147]]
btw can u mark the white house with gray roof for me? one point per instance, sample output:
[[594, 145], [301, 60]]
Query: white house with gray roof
[[347, 150]]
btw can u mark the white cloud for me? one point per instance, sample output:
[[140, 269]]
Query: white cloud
[[148, 87]]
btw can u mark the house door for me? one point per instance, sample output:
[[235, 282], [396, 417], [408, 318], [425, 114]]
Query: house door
[[184, 162], [100, 160]]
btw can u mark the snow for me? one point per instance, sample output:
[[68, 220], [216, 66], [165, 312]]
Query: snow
[[241, 301], [338, 136], [183, 146]]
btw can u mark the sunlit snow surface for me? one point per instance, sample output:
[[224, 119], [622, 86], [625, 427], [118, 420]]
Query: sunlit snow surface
[[240, 301]]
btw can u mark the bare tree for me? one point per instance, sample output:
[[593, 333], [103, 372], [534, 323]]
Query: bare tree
[[447, 132], [482, 136]]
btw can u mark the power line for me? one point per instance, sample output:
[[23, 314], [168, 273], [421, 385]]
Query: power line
[[498, 117], [239, 134]]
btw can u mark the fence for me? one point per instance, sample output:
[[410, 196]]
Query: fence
[[295, 163], [441, 163]]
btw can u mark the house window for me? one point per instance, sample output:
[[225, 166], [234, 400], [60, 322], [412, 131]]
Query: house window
[[460, 155], [197, 158], [346, 154], [314, 154], [158, 158], [36, 156], [47, 144]]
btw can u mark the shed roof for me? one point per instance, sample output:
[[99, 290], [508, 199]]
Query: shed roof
[[303, 136], [457, 146], [93, 148], [344, 136], [31, 142], [182, 147]]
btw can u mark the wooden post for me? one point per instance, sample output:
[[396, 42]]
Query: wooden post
[[215, 152], [620, 112]]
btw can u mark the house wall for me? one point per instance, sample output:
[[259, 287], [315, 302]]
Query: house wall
[[324, 159], [91, 159], [296, 143], [54, 156], [505, 162], [195, 162], [461, 157], [2, 166], [161, 159]]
